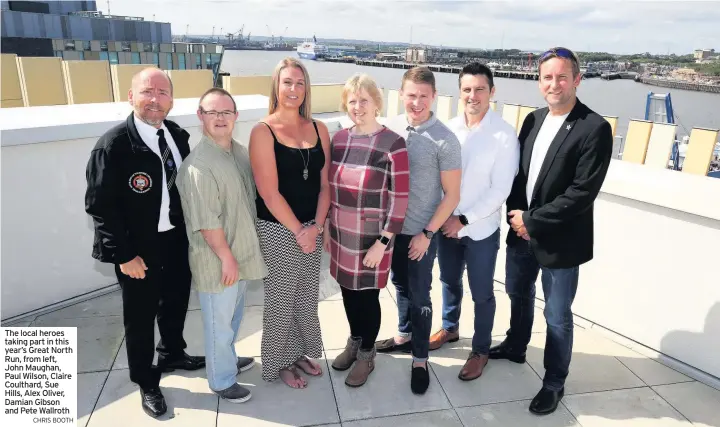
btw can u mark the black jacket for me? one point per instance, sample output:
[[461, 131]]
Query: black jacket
[[559, 219], [124, 192]]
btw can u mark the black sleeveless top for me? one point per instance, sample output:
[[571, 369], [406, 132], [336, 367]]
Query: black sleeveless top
[[301, 194]]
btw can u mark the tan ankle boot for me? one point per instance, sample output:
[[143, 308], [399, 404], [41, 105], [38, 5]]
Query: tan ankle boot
[[364, 365], [348, 356]]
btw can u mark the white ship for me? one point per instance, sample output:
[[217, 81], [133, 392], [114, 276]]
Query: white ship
[[312, 50]]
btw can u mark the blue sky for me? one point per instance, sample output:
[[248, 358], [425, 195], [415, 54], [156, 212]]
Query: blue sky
[[586, 25]]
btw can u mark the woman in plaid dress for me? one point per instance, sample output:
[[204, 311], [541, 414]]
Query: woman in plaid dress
[[369, 185]]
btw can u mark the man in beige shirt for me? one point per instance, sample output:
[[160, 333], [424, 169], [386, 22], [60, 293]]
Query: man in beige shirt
[[218, 199]]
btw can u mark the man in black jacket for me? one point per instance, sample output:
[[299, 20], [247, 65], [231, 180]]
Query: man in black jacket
[[565, 154], [135, 205]]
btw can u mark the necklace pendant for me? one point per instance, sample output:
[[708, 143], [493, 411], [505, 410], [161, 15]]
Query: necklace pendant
[[305, 174]]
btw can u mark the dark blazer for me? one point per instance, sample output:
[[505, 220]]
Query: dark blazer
[[559, 219], [124, 192]]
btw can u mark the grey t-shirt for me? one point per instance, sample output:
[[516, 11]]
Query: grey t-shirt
[[432, 148]]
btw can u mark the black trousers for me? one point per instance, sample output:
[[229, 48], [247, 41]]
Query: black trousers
[[363, 313], [163, 293]]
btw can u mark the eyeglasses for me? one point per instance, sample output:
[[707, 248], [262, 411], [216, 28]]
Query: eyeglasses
[[219, 114], [561, 52]]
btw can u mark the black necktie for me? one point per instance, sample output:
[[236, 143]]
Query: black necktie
[[170, 173]]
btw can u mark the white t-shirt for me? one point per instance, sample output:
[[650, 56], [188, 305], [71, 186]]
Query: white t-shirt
[[545, 137]]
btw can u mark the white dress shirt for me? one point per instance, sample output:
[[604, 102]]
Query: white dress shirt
[[149, 136], [545, 137], [490, 161]]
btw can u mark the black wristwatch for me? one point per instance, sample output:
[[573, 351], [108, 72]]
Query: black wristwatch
[[463, 220], [384, 240], [429, 234]]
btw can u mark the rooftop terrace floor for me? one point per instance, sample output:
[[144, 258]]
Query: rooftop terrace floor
[[609, 384]]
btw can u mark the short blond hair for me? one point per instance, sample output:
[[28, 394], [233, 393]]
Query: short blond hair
[[305, 107], [357, 83]]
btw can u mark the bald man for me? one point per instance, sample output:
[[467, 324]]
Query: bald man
[[135, 206]]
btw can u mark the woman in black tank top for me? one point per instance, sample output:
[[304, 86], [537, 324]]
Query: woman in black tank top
[[289, 156]]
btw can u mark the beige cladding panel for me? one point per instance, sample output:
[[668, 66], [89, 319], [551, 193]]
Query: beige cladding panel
[[700, 151], [326, 98], [510, 113], [11, 103], [41, 80], [190, 83], [524, 112], [164, 62], [636, 143], [175, 62], [10, 88], [87, 82], [121, 76], [95, 46], [247, 85], [662, 138], [166, 47]]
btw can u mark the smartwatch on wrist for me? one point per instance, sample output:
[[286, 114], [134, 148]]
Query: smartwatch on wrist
[[384, 240], [463, 220]]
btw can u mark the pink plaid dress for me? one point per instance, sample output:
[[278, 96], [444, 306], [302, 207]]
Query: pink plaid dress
[[369, 183]]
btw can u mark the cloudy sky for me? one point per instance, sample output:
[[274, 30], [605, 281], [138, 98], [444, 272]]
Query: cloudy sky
[[586, 25]]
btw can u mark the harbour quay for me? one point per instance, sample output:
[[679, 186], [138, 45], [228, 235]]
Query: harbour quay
[[441, 68], [678, 84]]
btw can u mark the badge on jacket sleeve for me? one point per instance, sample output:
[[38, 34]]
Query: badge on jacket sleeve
[[140, 182]]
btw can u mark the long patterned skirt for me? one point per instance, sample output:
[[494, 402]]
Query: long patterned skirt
[[291, 328]]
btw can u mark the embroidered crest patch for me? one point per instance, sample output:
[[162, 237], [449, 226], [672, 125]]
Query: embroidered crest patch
[[140, 182]]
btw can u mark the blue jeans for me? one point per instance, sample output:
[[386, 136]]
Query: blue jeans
[[479, 256], [222, 314], [559, 286], [413, 280]]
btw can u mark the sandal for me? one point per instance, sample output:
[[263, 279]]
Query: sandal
[[296, 376], [303, 368]]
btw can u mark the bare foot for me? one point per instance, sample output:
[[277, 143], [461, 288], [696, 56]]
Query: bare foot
[[292, 378], [308, 366]]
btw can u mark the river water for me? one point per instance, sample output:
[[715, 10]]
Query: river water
[[622, 98]]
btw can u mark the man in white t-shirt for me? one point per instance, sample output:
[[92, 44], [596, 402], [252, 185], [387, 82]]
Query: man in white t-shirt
[[565, 154], [471, 236]]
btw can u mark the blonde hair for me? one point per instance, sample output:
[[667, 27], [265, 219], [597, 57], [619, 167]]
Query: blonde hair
[[357, 83], [305, 109]]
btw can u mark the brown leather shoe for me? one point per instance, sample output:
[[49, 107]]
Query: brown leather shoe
[[345, 359], [364, 365], [474, 366], [441, 337]]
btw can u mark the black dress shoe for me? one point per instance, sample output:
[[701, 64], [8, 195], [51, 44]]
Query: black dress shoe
[[546, 401], [419, 379], [188, 363], [153, 401], [504, 351]]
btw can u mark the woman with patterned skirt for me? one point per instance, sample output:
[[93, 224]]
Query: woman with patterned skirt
[[369, 185], [289, 153]]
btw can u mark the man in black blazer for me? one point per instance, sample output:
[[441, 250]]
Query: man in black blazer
[[565, 154], [135, 205]]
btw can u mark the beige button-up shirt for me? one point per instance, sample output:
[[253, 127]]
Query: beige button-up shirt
[[217, 190]]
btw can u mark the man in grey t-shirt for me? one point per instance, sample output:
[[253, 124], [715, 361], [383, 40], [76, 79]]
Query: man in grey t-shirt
[[435, 173]]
